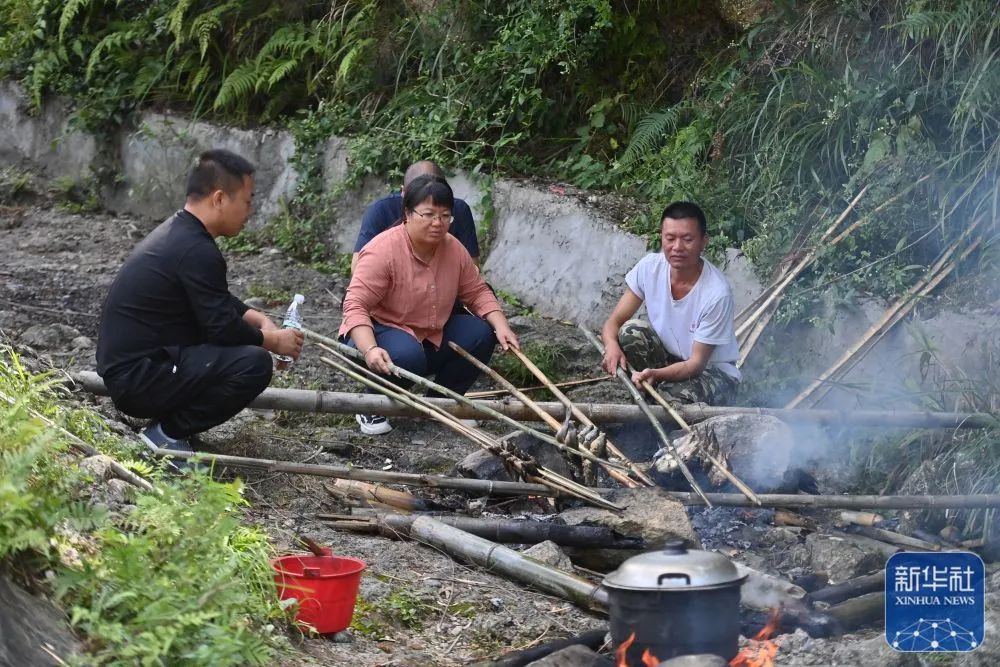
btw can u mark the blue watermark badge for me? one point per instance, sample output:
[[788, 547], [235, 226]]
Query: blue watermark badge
[[935, 602]]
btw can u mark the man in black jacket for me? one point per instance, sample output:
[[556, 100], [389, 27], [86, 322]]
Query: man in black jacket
[[174, 344]]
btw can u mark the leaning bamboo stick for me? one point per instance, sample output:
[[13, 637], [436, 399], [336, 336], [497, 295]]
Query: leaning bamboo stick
[[551, 421], [797, 268], [562, 385], [747, 345], [580, 415], [382, 385], [336, 402], [79, 445], [639, 401], [894, 314]]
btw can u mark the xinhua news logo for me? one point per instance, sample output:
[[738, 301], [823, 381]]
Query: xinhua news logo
[[935, 602]]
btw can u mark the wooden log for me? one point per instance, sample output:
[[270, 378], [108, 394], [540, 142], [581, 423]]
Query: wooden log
[[380, 494], [851, 588], [509, 531], [860, 518], [858, 612], [895, 538], [500, 560], [592, 639], [335, 402]]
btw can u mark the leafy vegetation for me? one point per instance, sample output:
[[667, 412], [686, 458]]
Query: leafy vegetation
[[174, 579], [547, 357]]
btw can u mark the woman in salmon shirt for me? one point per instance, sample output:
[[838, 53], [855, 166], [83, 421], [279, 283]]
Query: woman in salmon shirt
[[399, 305]]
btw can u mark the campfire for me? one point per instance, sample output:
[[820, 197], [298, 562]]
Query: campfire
[[761, 650], [648, 659]]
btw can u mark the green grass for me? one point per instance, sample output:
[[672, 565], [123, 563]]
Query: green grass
[[548, 358], [174, 579]]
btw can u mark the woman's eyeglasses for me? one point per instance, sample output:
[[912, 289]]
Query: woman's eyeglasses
[[430, 216]]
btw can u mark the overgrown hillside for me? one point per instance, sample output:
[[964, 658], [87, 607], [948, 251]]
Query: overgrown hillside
[[775, 115]]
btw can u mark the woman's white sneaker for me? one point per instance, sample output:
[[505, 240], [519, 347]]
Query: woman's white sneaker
[[373, 424]]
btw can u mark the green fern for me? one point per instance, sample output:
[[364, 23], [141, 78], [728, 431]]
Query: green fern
[[70, 11]]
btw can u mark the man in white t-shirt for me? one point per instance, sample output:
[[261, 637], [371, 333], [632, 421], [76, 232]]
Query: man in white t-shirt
[[688, 347]]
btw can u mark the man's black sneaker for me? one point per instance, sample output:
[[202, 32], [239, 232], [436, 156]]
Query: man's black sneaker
[[373, 424], [154, 438]]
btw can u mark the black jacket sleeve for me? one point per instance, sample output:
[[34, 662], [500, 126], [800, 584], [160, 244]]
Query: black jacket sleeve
[[219, 319]]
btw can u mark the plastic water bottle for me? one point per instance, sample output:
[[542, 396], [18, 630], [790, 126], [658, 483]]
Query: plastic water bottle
[[293, 320]]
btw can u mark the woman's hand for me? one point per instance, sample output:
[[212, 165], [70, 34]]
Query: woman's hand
[[507, 338], [378, 360]]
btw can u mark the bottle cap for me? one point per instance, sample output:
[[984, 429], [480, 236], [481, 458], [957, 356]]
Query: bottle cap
[[299, 299]]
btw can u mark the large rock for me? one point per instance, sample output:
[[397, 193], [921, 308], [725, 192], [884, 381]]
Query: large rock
[[988, 654], [848, 651], [32, 631], [649, 513], [757, 448], [548, 552], [572, 656], [49, 336], [843, 558]]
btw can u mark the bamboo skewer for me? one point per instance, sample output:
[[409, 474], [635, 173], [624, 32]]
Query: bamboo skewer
[[895, 313], [639, 401], [478, 437], [417, 379], [551, 421], [727, 473], [569, 383], [583, 418]]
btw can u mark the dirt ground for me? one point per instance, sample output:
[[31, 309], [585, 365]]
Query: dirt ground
[[418, 606]]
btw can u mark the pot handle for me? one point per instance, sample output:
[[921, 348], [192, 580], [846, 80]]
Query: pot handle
[[673, 575]]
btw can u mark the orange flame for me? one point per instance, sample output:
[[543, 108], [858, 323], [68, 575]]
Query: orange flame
[[648, 659], [761, 652], [620, 660]]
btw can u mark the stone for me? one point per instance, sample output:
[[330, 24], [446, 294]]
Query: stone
[[576, 655], [548, 552], [117, 493], [842, 557], [342, 637], [649, 513], [81, 343], [801, 649], [757, 448], [480, 464], [699, 660], [933, 477], [98, 467], [49, 336], [32, 630]]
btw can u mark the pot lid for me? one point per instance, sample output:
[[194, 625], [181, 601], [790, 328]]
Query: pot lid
[[674, 568]]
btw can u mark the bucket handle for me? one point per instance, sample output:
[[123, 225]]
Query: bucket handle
[[673, 575]]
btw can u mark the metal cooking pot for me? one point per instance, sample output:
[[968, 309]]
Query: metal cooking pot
[[677, 602]]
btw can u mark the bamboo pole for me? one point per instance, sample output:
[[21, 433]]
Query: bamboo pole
[[895, 538], [893, 315], [343, 403], [492, 488], [498, 559], [499, 530], [851, 588], [79, 445], [549, 420], [562, 385], [580, 415], [664, 438], [541, 474]]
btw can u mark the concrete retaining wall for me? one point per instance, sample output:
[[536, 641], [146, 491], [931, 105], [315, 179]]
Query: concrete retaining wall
[[557, 253]]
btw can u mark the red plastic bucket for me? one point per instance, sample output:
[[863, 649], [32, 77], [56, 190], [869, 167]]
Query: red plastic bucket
[[326, 588]]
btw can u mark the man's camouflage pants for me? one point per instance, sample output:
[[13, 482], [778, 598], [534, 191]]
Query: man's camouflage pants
[[643, 349]]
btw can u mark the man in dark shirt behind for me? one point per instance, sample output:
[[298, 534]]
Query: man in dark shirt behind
[[388, 212], [174, 345]]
